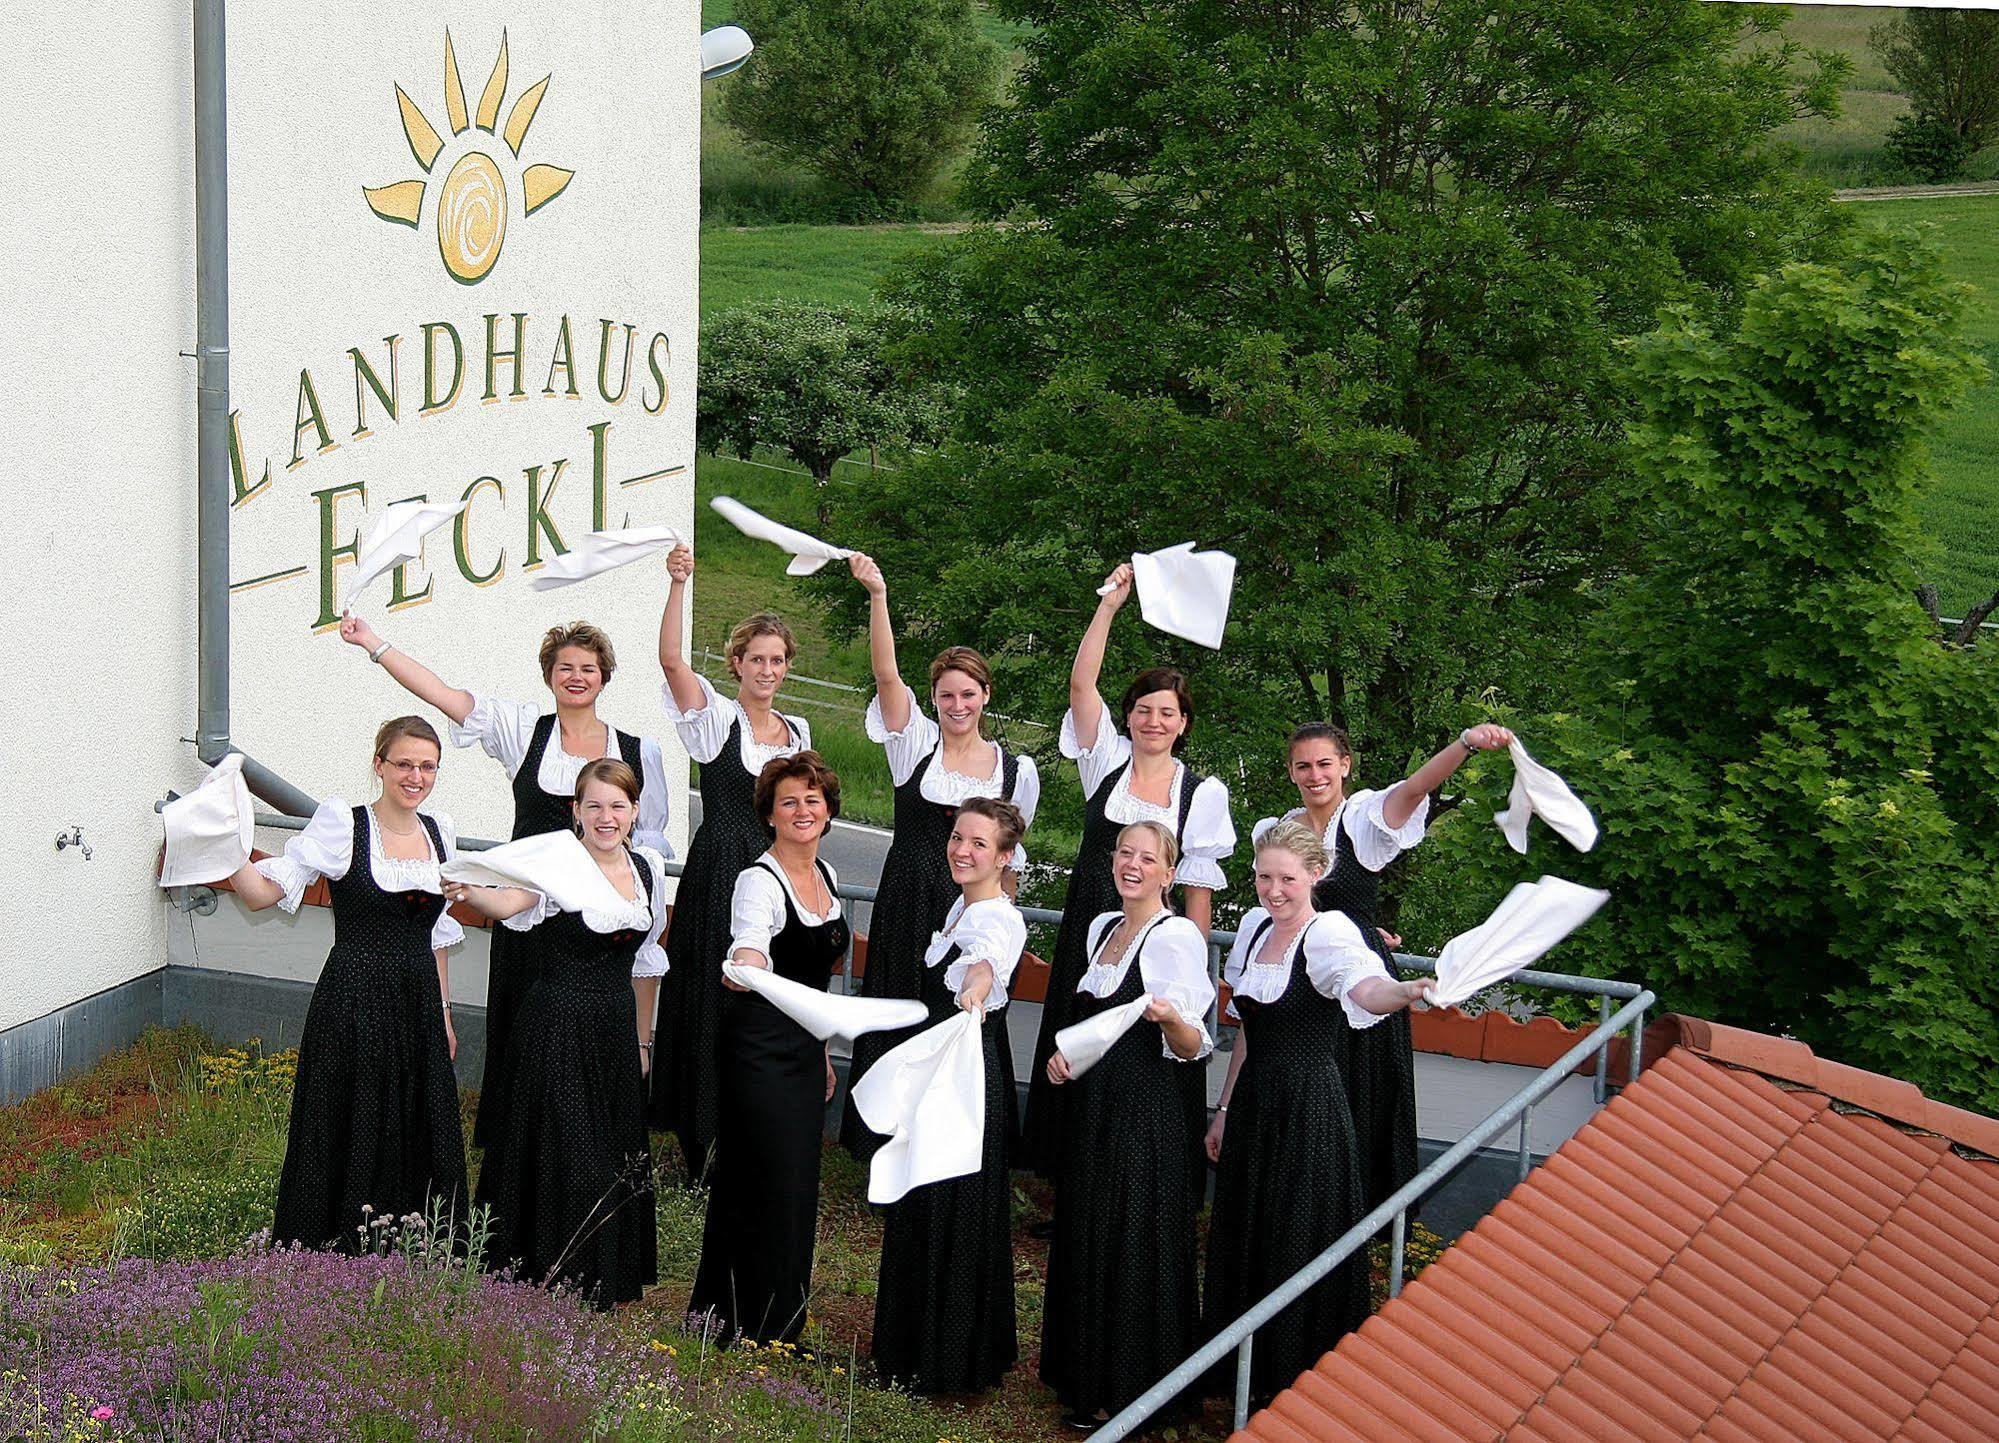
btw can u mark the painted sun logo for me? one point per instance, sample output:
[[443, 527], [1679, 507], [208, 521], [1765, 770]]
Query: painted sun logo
[[471, 204]]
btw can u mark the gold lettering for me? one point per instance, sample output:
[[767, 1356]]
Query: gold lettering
[[461, 535], [309, 415], [604, 363], [390, 396], [432, 401], [495, 356], [331, 555], [658, 369], [562, 362]]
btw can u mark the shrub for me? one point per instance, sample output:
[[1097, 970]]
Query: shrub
[[1928, 148]]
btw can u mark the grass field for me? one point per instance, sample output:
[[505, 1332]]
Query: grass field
[[838, 265]]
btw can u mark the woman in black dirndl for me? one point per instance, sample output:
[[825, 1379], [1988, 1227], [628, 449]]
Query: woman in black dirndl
[[936, 765], [775, 1077], [1289, 1177], [571, 1187], [1134, 775], [1363, 832], [944, 1304], [543, 752], [374, 1130], [732, 739], [1121, 1306]]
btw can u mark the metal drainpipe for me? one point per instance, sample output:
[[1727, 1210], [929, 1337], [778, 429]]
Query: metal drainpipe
[[211, 329]]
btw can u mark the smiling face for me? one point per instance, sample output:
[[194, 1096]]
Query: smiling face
[[960, 701], [1156, 722], [604, 815], [974, 850], [576, 676], [1319, 770], [1139, 867], [408, 770], [798, 811], [1284, 884], [761, 668]]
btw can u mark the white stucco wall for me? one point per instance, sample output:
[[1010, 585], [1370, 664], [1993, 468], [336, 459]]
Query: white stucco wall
[[99, 280]]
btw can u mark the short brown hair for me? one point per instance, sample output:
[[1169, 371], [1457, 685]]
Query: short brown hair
[[961, 658], [611, 771], [577, 633], [764, 623], [808, 767], [1304, 843], [396, 728], [1002, 814], [1160, 678]]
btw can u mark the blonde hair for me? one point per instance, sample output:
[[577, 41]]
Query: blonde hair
[[764, 623], [1169, 847], [577, 633], [1301, 841], [396, 728]]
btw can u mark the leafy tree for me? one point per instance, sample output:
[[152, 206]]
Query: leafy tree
[[1799, 787], [1927, 147], [1947, 63], [875, 95], [1339, 287], [810, 380]]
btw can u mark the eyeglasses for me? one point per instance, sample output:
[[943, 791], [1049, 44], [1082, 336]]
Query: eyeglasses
[[418, 769]]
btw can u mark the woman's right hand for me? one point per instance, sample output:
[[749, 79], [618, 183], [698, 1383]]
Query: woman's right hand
[[357, 632], [868, 572], [1214, 1138], [1120, 583], [680, 563], [744, 961], [1058, 1069]]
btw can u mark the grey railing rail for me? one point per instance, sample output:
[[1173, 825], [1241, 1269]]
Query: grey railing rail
[[1239, 1336]]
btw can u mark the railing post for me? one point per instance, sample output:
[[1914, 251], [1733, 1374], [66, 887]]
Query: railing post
[[1242, 1382], [1637, 1043], [1526, 1116], [1600, 1089], [1398, 1242]]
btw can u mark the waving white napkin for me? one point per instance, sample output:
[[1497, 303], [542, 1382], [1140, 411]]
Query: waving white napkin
[[555, 864], [928, 1097], [808, 553], [1085, 1043], [603, 551], [1536, 789], [396, 537], [1184, 592], [826, 1014], [1533, 918], [210, 830]]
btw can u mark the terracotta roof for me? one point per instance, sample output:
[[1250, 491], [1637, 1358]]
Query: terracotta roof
[[1750, 1243]]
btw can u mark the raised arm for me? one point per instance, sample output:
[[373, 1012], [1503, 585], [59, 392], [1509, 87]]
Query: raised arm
[[1406, 795], [681, 679], [1085, 702], [893, 695], [416, 678]]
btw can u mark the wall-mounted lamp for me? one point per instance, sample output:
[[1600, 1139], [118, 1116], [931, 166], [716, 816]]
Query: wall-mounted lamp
[[724, 50]]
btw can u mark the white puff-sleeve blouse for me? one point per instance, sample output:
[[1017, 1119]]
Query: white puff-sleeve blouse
[[1173, 964], [704, 731], [993, 932], [637, 913], [1375, 843], [504, 731], [1337, 959], [326, 849], [757, 911], [1209, 837], [907, 749]]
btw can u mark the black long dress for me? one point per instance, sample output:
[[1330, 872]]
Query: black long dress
[[1091, 893], [763, 1200], [1121, 1309], [571, 1186], [515, 955], [1289, 1182], [1379, 1062], [944, 1308], [915, 895], [686, 1094], [374, 1119]]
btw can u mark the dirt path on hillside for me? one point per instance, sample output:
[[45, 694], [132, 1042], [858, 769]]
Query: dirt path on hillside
[[1919, 192]]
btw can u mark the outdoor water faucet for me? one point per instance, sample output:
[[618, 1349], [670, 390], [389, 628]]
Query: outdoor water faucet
[[73, 838]]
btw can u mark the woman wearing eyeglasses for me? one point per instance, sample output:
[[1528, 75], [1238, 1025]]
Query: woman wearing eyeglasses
[[374, 1119]]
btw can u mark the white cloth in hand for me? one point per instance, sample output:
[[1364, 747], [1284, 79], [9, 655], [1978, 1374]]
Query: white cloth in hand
[[1084, 1043], [928, 1097], [603, 551], [555, 864], [396, 537], [211, 829], [826, 1014], [808, 553], [1536, 789], [1184, 592], [1532, 919]]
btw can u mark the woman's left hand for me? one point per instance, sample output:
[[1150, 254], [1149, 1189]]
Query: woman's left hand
[[1160, 1010], [450, 1036], [1058, 1069], [1419, 989], [1486, 737], [978, 987], [645, 1060], [832, 1077]]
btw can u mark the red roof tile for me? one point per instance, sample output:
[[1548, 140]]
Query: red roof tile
[[1749, 1244]]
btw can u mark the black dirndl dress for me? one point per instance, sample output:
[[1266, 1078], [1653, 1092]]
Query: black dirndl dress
[[913, 899], [763, 1199], [686, 1088], [1289, 1183], [571, 1185], [1122, 1307], [1091, 894], [374, 1116], [515, 954], [944, 1307]]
